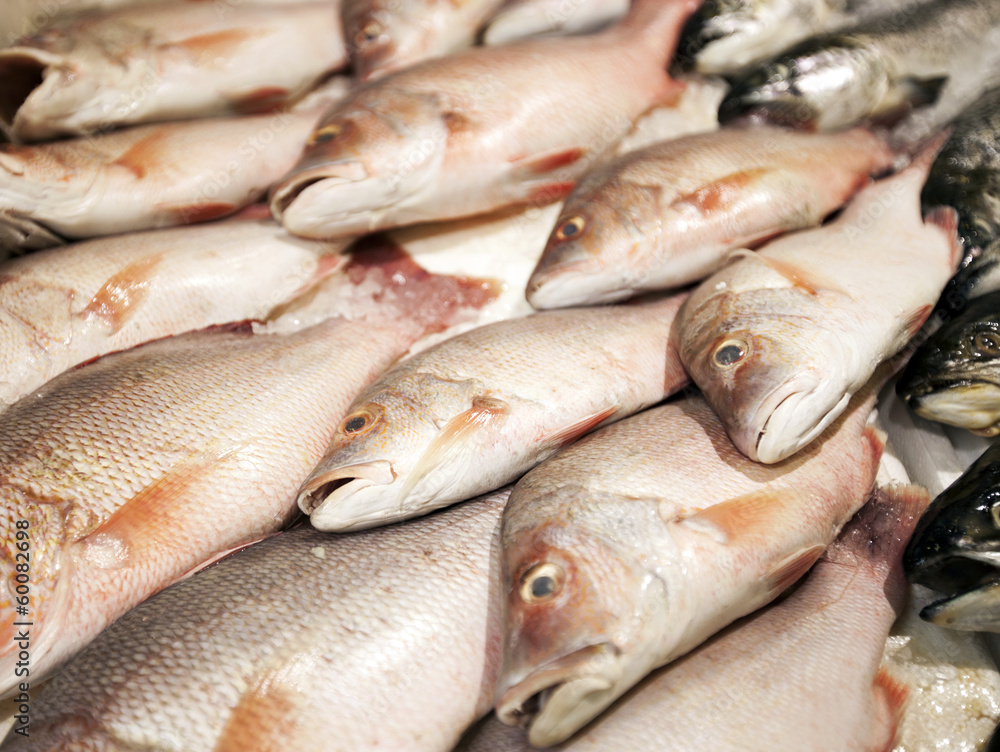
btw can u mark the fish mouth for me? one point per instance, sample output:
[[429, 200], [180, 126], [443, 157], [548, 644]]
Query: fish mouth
[[559, 697], [22, 73], [972, 405], [334, 500], [569, 285], [20, 234], [790, 424], [973, 610], [971, 580], [325, 201]]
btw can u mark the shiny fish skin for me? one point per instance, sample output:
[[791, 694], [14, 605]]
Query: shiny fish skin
[[388, 35], [779, 339], [63, 307], [800, 676], [386, 640], [481, 129], [145, 464], [521, 19], [154, 176], [171, 61], [477, 411], [635, 545], [954, 376], [875, 69], [667, 215]]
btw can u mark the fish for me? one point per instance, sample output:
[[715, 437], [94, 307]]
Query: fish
[[521, 19], [728, 36], [388, 35], [966, 176], [480, 130], [66, 306], [955, 549], [89, 73], [479, 410], [633, 546], [877, 69], [725, 697], [667, 215], [152, 176], [779, 340], [135, 469], [382, 640], [954, 376]]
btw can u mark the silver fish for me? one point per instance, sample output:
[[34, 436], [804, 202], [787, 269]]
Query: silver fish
[[521, 19]]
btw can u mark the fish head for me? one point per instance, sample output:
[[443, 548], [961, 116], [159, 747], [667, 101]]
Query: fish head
[[954, 377], [955, 549], [387, 460], [822, 84], [580, 614], [776, 375], [368, 156], [380, 38], [715, 21], [598, 249]]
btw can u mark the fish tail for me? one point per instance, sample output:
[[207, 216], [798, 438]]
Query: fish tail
[[883, 526], [657, 23]]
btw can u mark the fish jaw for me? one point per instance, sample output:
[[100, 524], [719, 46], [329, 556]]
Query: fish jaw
[[354, 497], [798, 412], [33, 80], [974, 406], [975, 610]]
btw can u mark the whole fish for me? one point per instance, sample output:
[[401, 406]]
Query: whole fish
[[65, 306], [966, 176], [386, 640], [727, 36], [152, 175], [954, 376], [780, 339], [521, 19], [481, 129], [134, 469], [91, 72], [387, 35], [956, 547], [636, 544], [477, 411], [667, 215], [823, 644], [875, 69]]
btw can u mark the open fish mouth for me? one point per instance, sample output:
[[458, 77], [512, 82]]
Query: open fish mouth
[[304, 182], [972, 581], [22, 72], [973, 405], [333, 500], [792, 420], [561, 696]]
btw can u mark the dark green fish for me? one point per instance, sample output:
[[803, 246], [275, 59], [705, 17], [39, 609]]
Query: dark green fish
[[955, 549], [954, 377], [877, 69]]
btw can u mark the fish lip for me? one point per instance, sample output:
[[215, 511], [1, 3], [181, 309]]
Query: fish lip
[[783, 399], [571, 285], [978, 401], [947, 612], [298, 181], [314, 495], [557, 688]]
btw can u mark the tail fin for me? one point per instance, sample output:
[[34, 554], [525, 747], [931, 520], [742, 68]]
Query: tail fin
[[657, 23], [882, 527]]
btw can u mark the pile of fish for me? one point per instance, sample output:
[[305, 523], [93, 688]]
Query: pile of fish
[[462, 363]]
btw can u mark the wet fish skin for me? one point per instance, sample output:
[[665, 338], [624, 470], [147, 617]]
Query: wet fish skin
[[779, 339], [876, 69], [62, 307], [384, 640], [825, 641], [521, 19], [388, 35], [172, 61], [667, 215], [479, 130], [954, 376], [152, 176], [635, 545], [477, 411], [141, 466]]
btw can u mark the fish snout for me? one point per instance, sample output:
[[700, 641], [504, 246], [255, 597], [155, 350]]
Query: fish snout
[[352, 497], [793, 416]]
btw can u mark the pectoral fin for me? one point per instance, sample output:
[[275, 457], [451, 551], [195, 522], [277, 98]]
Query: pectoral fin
[[753, 514]]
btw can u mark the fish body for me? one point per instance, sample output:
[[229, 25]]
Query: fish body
[[636, 544], [477, 411], [876, 69], [384, 640], [954, 376], [668, 215], [137, 468], [65, 306], [780, 339], [481, 129], [800, 675], [387, 35], [92, 72], [520, 19], [152, 176]]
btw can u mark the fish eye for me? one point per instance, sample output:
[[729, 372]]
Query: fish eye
[[570, 228], [987, 343], [368, 33], [729, 353], [541, 582], [357, 422], [326, 133]]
